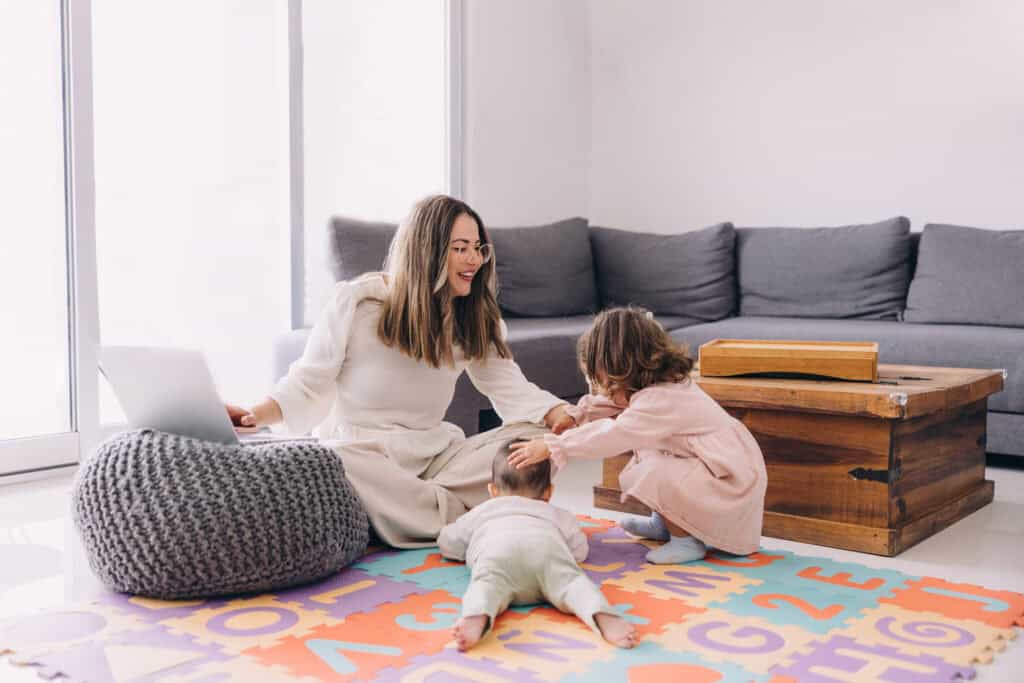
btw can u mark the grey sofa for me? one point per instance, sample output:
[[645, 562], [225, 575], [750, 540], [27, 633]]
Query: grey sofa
[[949, 295]]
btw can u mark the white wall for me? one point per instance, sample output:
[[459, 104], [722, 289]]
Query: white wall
[[805, 112], [526, 109]]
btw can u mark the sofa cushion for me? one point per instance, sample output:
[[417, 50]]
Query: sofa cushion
[[968, 275], [958, 346], [689, 274], [545, 270], [853, 271], [357, 246]]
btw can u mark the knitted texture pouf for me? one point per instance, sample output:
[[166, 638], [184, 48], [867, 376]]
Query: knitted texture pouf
[[172, 517]]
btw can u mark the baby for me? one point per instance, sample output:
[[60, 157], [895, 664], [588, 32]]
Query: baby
[[523, 550]]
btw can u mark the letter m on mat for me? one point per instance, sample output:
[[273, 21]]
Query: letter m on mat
[[680, 582]]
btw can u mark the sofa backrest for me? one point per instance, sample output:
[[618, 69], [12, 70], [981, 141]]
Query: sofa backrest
[[968, 276], [852, 271], [543, 270]]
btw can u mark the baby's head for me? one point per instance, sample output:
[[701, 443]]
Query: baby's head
[[532, 481], [626, 350]]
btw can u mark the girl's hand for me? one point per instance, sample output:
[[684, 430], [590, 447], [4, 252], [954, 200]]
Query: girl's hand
[[526, 453], [558, 420], [563, 424]]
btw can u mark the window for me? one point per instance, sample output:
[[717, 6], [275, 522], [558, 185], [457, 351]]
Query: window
[[375, 111], [34, 325], [192, 222], [161, 170]]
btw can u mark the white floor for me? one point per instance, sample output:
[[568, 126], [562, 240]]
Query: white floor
[[42, 564]]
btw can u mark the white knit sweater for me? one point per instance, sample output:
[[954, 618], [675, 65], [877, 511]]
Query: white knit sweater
[[349, 386]]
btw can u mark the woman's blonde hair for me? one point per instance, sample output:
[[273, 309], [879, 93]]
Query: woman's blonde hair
[[420, 316], [627, 350]]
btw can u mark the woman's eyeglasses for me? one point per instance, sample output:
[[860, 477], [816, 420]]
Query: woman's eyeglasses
[[483, 251]]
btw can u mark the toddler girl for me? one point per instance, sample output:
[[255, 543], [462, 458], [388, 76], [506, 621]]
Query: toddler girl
[[698, 468]]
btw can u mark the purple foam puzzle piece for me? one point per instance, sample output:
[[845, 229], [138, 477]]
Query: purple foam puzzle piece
[[125, 604], [88, 662], [855, 657], [354, 590], [632, 556]]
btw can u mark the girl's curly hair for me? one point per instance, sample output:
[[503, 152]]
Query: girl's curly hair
[[629, 350]]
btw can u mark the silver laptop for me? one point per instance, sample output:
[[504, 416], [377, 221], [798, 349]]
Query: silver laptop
[[170, 390]]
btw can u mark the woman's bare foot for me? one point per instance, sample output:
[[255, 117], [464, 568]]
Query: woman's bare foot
[[468, 631], [616, 630]]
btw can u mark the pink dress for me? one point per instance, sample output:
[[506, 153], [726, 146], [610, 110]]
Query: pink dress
[[692, 462]]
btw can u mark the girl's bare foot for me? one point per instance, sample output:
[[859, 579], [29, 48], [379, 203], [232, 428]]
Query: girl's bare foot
[[468, 631], [616, 630]]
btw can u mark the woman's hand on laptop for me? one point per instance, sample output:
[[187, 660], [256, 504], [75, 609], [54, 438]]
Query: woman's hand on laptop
[[243, 420], [247, 421]]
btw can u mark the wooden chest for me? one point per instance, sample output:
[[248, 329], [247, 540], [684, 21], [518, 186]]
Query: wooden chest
[[872, 467]]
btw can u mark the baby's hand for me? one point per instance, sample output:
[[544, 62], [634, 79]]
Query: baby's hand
[[526, 453]]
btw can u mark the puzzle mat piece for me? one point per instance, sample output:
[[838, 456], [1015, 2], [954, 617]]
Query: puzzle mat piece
[[719, 636], [545, 642], [28, 637], [239, 669], [153, 611], [349, 592], [999, 608], [841, 658], [783, 566], [594, 525], [142, 656], [253, 622], [613, 554], [364, 643], [452, 665], [696, 585], [425, 567], [650, 615], [650, 663], [959, 641], [812, 608]]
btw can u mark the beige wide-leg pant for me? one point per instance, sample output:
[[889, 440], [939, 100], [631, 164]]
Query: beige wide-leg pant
[[523, 568], [408, 495]]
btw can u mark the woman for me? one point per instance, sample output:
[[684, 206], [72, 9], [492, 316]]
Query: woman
[[380, 367]]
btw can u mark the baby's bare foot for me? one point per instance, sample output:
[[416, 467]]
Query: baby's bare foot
[[468, 631], [617, 630]]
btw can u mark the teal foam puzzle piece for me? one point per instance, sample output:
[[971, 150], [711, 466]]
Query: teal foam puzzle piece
[[424, 567], [848, 579]]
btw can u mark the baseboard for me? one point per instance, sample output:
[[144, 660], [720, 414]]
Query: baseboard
[[1011, 462]]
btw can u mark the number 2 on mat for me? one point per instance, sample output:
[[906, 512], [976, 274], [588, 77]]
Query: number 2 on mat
[[768, 600]]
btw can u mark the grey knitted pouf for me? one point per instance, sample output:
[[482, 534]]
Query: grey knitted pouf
[[171, 517]]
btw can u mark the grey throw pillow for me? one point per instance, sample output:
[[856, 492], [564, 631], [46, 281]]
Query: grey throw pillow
[[686, 274], [968, 275], [357, 246], [545, 270], [853, 271]]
